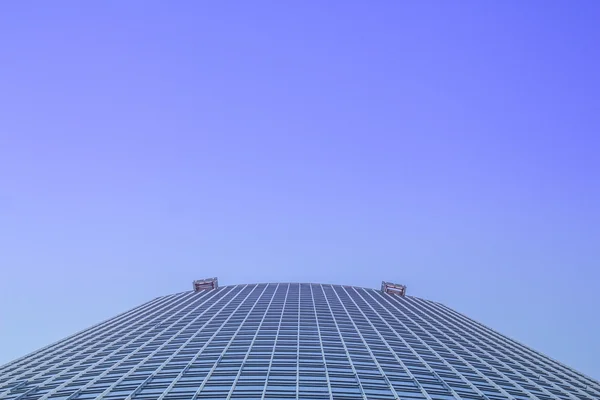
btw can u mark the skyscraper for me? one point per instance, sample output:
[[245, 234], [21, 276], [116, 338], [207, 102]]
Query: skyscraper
[[290, 341]]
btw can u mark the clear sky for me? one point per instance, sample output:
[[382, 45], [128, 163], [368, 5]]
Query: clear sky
[[451, 146]]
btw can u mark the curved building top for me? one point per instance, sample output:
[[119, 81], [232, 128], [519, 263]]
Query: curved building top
[[386, 287]]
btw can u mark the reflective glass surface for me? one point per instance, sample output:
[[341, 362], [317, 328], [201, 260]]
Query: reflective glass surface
[[290, 341]]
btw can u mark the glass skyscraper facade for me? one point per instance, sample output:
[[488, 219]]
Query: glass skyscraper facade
[[290, 341]]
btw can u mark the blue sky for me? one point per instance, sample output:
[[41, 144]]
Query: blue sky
[[451, 146]]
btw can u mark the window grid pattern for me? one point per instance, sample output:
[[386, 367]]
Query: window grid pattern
[[291, 341]]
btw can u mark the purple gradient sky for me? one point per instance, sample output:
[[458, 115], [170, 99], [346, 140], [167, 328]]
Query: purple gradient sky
[[451, 146]]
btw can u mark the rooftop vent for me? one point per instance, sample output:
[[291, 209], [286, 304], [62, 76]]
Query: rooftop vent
[[393, 288], [206, 284]]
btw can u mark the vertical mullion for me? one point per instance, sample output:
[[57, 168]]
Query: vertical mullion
[[550, 363], [188, 346], [167, 342], [518, 348], [298, 344], [362, 391], [147, 316], [312, 297], [383, 297], [417, 355], [76, 338], [373, 358], [232, 336], [482, 348], [104, 373], [237, 377], [275, 342]]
